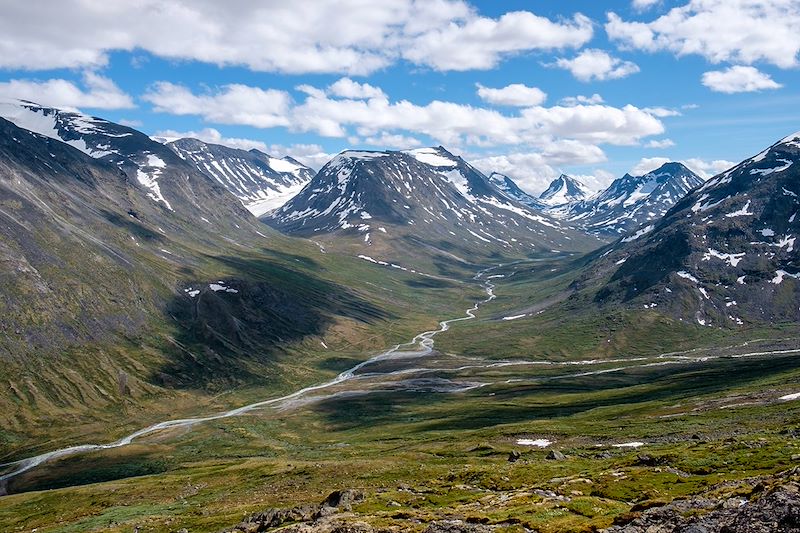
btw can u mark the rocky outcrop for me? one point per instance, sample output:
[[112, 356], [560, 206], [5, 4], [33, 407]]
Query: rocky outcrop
[[759, 505]]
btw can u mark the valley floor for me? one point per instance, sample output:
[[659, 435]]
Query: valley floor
[[491, 429]]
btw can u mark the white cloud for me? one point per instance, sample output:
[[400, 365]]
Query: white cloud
[[594, 64], [704, 169], [581, 99], [660, 143], [391, 141], [741, 31], [642, 5], [212, 136], [515, 94], [562, 134], [96, 92], [480, 43], [738, 79], [231, 104], [311, 155], [648, 164], [314, 36], [661, 112], [347, 88], [533, 171]]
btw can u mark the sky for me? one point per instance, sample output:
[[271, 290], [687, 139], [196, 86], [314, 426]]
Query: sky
[[530, 88]]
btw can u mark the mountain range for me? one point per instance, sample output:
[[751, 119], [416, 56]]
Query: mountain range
[[426, 197]]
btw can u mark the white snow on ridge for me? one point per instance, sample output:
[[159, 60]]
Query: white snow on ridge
[[686, 275], [768, 171], [731, 259], [643, 231], [431, 156], [275, 200], [780, 274]]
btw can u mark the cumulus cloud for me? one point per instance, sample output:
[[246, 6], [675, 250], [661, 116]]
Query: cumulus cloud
[[660, 143], [581, 99], [738, 79], [231, 104], [740, 31], [594, 64], [315, 36], [95, 92], [212, 136], [515, 94], [562, 133], [703, 168], [347, 88], [480, 43]]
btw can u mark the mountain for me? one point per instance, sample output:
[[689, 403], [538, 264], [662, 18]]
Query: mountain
[[725, 254], [512, 190], [166, 179], [631, 201], [260, 181], [564, 190], [426, 197]]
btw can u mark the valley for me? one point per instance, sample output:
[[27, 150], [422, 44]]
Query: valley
[[337, 267]]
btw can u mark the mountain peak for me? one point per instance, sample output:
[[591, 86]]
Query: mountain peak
[[564, 190]]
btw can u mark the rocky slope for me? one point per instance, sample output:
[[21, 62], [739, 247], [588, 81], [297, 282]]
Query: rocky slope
[[630, 201], [725, 254], [260, 181]]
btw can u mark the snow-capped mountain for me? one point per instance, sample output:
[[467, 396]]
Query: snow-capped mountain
[[428, 195], [260, 181], [725, 254], [631, 201], [564, 190], [166, 179], [512, 190]]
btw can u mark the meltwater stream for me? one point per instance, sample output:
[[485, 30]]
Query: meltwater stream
[[419, 346]]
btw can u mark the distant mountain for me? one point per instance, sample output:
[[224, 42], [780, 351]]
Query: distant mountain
[[260, 181], [631, 201], [425, 196], [512, 190], [564, 190], [724, 255]]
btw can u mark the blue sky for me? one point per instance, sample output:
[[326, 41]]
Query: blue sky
[[708, 82]]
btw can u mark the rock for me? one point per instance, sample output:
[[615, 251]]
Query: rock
[[343, 499], [456, 526], [605, 454], [555, 455], [514, 456], [774, 507]]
